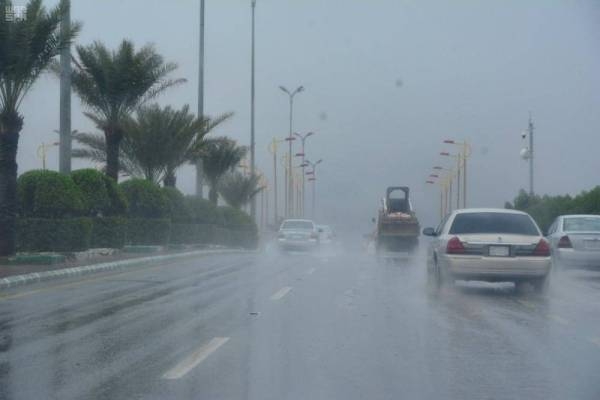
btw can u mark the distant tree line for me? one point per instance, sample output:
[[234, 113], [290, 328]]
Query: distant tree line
[[544, 209]]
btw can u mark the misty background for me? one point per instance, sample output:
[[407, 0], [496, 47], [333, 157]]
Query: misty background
[[386, 82]]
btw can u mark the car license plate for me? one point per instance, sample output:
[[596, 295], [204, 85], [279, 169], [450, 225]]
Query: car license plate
[[499, 251]]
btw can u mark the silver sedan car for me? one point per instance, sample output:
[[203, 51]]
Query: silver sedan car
[[495, 245], [298, 234], [575, 241]]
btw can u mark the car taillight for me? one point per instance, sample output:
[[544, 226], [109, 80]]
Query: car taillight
[[455, 246], [565, 243], [542, 249]]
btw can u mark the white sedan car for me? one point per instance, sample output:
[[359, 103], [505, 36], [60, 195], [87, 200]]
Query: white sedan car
[[575, 241], [494, 245], [298, 234]]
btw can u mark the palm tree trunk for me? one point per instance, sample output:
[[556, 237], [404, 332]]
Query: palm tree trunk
[[113, 141], [213, 195], [170, 179], [10, 126]]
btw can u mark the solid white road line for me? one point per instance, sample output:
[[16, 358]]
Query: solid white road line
[[311, 271], [280, 293], [191, 361]]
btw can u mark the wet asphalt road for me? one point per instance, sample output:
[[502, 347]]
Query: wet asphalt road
[[266, 326]]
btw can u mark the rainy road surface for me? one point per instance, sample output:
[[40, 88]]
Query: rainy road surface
[[266, 326]]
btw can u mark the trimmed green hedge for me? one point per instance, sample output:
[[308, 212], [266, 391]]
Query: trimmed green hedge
[[202, 211], [48, 194], [60, 235], [100, 193], [148, 231], [179, 211], [145, 199], [109, 232]]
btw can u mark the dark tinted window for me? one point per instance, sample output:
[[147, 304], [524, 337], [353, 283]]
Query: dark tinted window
[[488, 222]]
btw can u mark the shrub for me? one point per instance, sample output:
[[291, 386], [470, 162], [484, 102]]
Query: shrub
[[108, 232], [60, 235], [202, 211], [95, 196], [233, 217], [236, 228], [145, 199], [48, 194], [118, 201], [178, 207], [148, 231]]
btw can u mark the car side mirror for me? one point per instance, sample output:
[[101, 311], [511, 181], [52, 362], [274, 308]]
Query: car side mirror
[[429, 232], [373, 220]]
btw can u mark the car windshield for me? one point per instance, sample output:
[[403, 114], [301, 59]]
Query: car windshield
[[298, 225], [582, 224], [493, 222]]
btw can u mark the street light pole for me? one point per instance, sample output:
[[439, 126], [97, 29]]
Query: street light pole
[[199, 167], [313, 178], [530, 129], [303, 139], [65, 97], [273, 150], [252, 119], [290, 138]]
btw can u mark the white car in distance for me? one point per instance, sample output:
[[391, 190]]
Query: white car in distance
[[298, 234]]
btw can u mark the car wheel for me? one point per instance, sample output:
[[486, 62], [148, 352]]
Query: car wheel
[[434, 276]]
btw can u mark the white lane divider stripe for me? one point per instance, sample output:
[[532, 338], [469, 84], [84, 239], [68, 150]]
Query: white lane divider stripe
[[281, 292], [311, 271], [192, 361]]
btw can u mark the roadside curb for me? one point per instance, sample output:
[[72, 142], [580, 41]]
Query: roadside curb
[[22, 280]]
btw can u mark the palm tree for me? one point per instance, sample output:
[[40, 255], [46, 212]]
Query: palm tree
[[27, 47], [238, 189], [114, 84], [155, 144], [95, 150], [163, 139], [219, 156]]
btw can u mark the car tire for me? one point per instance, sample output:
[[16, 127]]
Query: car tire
[[435, 278]]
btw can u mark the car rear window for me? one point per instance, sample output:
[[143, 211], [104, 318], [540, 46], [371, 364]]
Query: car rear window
[[488, 222], [581, 224], [303, 225]]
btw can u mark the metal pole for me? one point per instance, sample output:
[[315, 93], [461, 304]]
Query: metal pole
[[199, 167], [314, 207], [450, 197], [465, 155], [290, 188], [275, 205], [252, 96], [458, 181], [303, 185], [441, 202], [531, 153], [65, 97], [285, 186]]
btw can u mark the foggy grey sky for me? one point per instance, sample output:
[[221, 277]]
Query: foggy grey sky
[[469, 69]]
